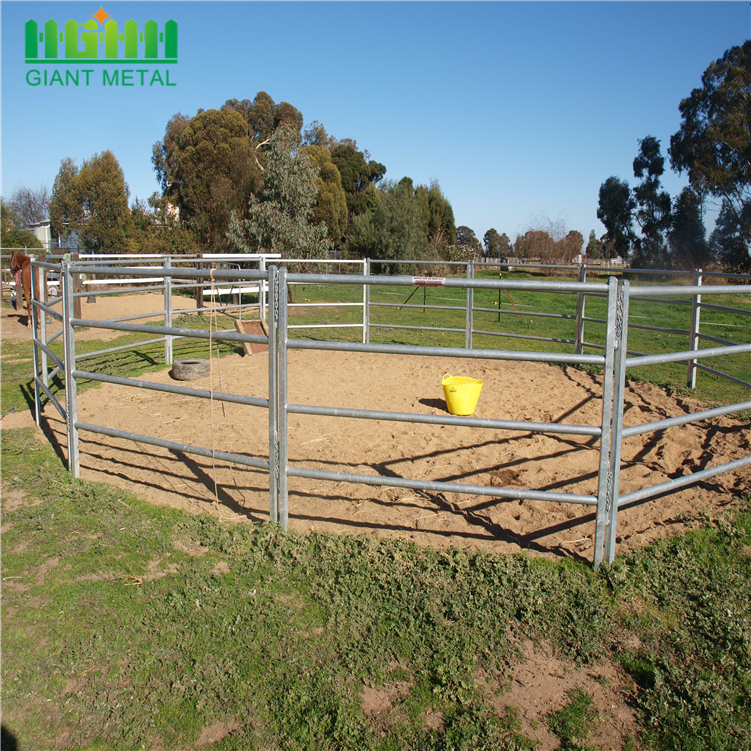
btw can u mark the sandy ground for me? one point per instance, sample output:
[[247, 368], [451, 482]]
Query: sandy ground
[[514, 391], [511, 390]]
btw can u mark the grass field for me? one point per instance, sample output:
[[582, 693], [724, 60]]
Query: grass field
[[130, 626]]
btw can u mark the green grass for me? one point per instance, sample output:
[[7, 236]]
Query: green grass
[[127, 626], [573, 723]]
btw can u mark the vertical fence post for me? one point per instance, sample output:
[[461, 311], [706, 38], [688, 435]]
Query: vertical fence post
[[580, 305], [69, 344], [168, 310], [273, 328], [604, 478], [470, 306], [34, 342], [43, 323], [283, 371], [695, 327], [367, 302], [616, 437]]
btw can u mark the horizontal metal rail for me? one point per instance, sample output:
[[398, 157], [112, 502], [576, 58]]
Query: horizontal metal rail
[[529, 313], [442, 487], [698, 290], [723, 309], [409, 281], [219, 396], [665, 357], [726, 376], [671, 422], [120, 291], [119, 348], [465, 422], [523, 336], [326, 326], [682, 482], [95, 282], [412, 328], [717, 339], [223, 335], [173, 272], [401, 305], [186, 448], [469, 354], [326, 305]]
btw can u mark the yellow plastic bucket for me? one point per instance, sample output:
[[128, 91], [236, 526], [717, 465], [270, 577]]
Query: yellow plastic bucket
[[461, 394]]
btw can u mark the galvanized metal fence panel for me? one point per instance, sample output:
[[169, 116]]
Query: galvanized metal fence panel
[[614, 361]]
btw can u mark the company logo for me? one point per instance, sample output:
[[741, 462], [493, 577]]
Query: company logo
[[101, 40]]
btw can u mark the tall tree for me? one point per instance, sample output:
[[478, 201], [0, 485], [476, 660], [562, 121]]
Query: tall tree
[[279, 219], [65, 203], [208, 168], [594, 246], [728, 243], [92, 203], [652, 207], [687, 234], [394, 231], [466, 236], [358, 173], [491, 242], [439, 215], [713, 143], [264, 117], [331, 202], [154, 228], [615, 210]]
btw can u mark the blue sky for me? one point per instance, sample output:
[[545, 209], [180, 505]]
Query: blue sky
[[520, 110]]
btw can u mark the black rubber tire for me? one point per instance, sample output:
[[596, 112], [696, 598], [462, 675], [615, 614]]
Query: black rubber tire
[[189, 369]]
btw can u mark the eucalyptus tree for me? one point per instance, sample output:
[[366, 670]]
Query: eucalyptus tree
[[394, 230], [615, 210], [491, 242], [728, 242], [652, 207], [331, 202], [208, 169], [713, 144], [687, 235], [279, 218]]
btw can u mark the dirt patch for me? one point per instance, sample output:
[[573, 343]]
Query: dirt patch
[[541, 684]]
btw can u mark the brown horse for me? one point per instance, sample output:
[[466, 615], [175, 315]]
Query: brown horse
[[20, 266]]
